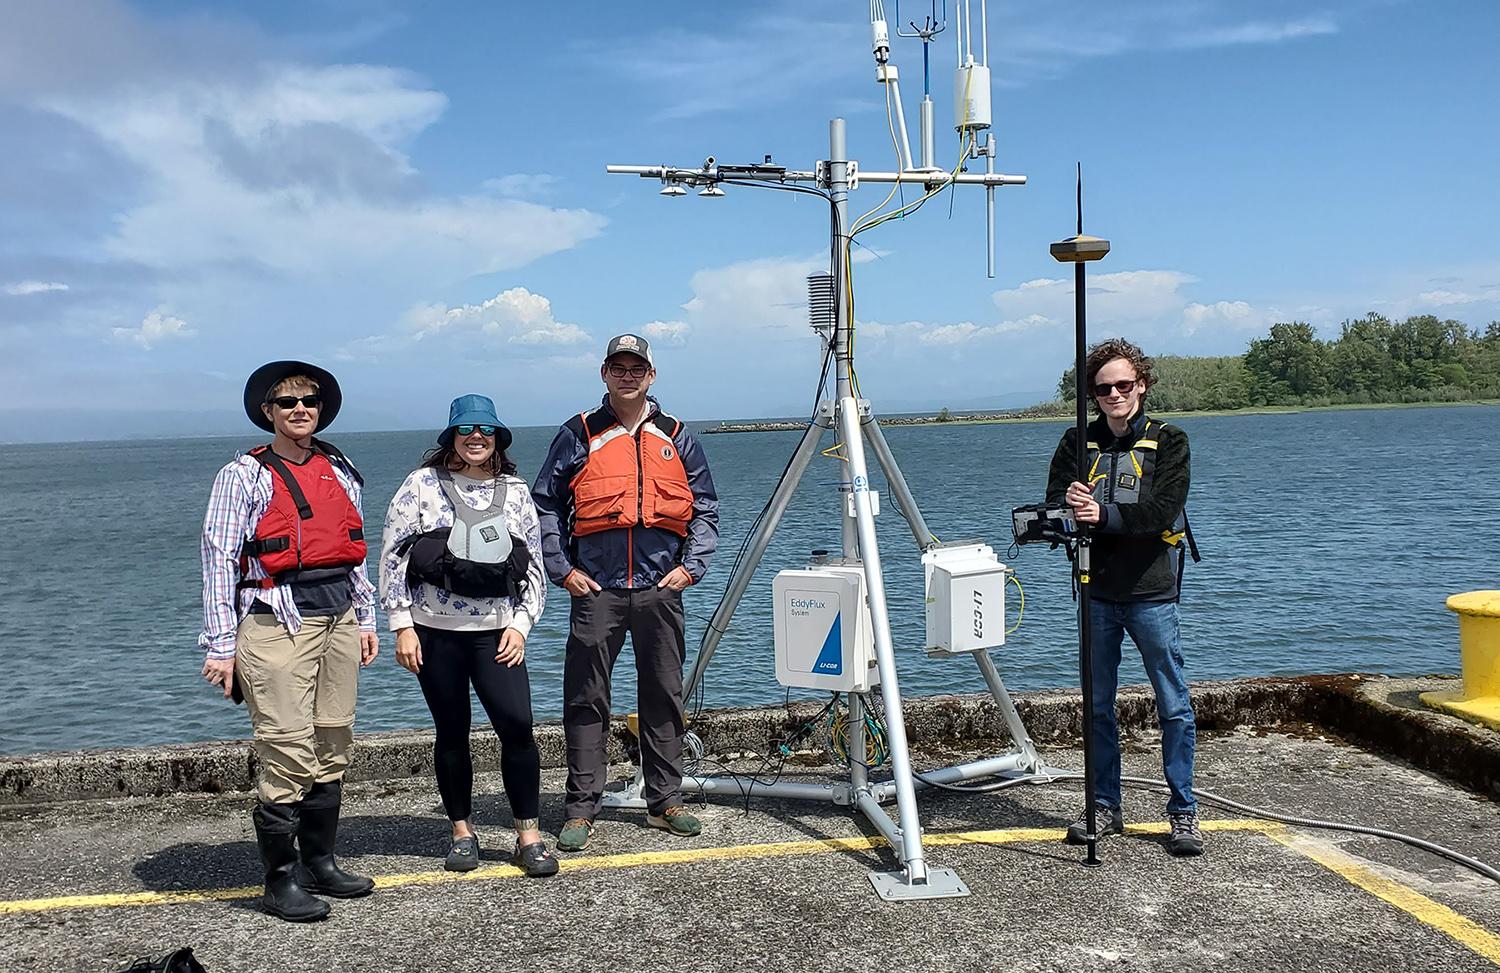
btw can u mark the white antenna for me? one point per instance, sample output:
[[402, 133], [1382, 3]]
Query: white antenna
[[886, 74], [831, 312]]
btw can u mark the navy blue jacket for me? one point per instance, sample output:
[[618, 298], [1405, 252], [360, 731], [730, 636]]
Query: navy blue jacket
[[637, 557]]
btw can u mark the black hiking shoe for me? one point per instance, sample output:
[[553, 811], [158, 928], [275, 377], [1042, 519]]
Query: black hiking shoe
[[1108, 820], [1186, 839]]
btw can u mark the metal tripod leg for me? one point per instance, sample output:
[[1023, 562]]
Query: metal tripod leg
[[893, 476], [740, 580], [915, 881], [1030, 760]]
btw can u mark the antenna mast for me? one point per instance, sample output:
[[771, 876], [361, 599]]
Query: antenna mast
[[831, 305]]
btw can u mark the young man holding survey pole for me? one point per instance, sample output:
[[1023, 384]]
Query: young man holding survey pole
[[1137, 472]]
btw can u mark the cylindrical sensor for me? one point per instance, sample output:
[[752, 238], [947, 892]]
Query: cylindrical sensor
[[971, 97]]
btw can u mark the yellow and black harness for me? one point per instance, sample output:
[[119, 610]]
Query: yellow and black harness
[[1128, 479]]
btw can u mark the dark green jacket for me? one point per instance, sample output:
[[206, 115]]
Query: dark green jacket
[[1131, 562]]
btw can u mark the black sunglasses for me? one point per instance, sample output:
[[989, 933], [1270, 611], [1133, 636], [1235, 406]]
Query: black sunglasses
[[634, 371], [1124, 387], [289, 402], [468, 430]]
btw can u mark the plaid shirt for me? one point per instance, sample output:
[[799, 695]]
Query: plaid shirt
[[239, 498]]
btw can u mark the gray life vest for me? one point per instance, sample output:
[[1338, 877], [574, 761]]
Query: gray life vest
[[477, 535], [477, 557], [1126, 477]]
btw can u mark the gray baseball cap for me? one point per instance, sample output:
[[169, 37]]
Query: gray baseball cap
[[632, 344]]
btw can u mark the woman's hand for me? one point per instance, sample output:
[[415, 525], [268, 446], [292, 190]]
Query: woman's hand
[[220, 672], [369, 648], [512, 650], [408, 650], [1085, 507]]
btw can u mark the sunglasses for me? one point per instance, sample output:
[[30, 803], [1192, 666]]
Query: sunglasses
[[1124, 387], [289, 402], [468, 430], [634, 371]]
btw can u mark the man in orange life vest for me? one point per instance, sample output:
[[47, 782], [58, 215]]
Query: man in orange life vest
[[289, 618], [629, 519]]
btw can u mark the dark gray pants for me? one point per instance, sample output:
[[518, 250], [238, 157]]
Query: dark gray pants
[[597, 628]]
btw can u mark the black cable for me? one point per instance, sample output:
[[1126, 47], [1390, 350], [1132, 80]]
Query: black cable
[[1473, 864]]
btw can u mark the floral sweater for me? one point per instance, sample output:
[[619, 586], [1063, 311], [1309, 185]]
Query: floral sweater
[[419, 506]]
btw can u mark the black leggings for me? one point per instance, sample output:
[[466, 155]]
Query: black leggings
[[450, 662]]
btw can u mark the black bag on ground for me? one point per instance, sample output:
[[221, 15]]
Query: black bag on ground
[[177, 961]]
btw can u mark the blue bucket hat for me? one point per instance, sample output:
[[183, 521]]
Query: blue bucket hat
[[474, 410]]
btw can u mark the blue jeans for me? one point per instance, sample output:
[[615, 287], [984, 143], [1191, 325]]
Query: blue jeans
[[1153, 627]]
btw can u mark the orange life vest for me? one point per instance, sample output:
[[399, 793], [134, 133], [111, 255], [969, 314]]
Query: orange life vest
[[632, 480]]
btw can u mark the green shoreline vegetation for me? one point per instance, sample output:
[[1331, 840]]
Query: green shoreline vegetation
[[1373, 363]]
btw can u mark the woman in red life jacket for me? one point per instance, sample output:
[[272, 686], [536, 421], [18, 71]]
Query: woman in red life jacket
[[286, 607], [461, 581]]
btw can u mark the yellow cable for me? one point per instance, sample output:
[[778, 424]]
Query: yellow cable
[[900, 163], [1021, 610]]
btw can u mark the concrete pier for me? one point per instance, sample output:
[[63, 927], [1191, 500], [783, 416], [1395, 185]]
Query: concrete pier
[[775, 885]]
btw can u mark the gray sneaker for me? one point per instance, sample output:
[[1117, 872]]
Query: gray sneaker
[[1108, 820], [1186, 838]]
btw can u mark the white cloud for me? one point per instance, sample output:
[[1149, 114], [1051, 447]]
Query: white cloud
[[26, 287], [790, 41], [1127, 295], [522, 185], [515, 317], [667, 332], [1254, 32], [299, 168], [1235, 315], [1445, 298], [949, 335], [768, 293], [156, 327]]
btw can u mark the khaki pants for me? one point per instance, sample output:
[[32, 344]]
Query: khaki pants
[[300, 691]]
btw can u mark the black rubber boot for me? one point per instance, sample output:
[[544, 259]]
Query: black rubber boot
[[276, 833], [315, 835]]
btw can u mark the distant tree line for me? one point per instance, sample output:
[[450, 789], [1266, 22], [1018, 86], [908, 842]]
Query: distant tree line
[[1373, 360]]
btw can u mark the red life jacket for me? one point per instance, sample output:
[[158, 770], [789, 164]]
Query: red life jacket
[[629, 480], [310, 523]]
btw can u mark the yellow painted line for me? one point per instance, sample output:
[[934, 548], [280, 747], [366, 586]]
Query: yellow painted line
[[1404, 897], [594, 863], [1438, 916]]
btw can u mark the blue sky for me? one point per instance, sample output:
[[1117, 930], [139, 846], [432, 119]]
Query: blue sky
[[415, 196]]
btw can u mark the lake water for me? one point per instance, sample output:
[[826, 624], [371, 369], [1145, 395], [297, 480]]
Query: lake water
[[1330, 541]]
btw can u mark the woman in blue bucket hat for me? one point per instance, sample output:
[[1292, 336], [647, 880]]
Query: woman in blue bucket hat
[[461, 581]]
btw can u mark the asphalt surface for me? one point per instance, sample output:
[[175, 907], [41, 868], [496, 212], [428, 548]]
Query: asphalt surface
[[763, 889]]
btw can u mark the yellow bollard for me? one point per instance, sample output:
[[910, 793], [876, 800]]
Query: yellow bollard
[[1479, 650]]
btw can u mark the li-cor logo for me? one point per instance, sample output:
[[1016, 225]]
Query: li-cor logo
[[806, 603], [978, 615]]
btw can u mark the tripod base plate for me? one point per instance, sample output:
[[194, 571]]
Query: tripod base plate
[[942, 883]]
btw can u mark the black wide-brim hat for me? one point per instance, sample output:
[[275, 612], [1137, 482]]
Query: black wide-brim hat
[[264, 378]]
